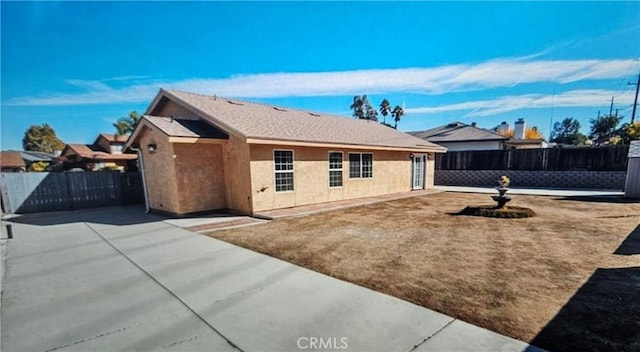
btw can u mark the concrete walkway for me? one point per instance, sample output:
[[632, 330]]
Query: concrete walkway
[[117, 279], [537, 191], [304, 210]]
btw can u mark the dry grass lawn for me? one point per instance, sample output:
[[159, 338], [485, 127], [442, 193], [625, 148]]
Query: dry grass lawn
[[511, 276]]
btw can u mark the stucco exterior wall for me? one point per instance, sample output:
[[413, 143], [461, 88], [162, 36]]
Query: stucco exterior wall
[[237, 176], [430, 171], [159, 172], [200, 177], [391, 174]]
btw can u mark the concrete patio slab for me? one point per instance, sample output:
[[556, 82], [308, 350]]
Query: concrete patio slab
[[65, 288], [461, 336], [112, 282]]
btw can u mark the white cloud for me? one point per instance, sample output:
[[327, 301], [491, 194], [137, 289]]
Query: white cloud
[[437, 80], [574, 98]]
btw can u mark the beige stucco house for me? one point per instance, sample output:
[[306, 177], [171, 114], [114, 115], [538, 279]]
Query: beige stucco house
[[202, 153]]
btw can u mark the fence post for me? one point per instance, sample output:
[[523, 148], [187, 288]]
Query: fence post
[[632, 183]]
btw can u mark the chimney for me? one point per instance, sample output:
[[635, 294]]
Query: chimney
[[473, 124], [503, 127], [519, 129]]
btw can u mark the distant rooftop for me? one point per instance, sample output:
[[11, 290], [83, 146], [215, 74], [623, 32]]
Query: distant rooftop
[[458, 132]]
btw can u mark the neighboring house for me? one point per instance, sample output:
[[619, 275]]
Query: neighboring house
[[11, 161], [111, 143], [201, 153], [105, 152], [461, 136], [31, 157]]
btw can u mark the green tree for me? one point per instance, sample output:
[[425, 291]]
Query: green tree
[[567, 132], [385, 109], [126, 125], [397, 114], [370, 113], [41, 138], [630, 131], [362, 109], [604, 125]]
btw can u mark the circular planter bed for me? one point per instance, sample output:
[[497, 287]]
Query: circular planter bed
[[492, 211]]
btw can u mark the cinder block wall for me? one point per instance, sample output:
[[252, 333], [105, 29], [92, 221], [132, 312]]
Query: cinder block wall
[[538, 179]]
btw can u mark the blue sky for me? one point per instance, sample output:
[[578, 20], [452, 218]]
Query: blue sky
[[79, 66]]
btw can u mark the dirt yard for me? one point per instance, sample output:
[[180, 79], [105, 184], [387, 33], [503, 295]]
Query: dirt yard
[[552, 280]]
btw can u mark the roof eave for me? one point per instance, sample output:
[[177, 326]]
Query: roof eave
[[417, 148]]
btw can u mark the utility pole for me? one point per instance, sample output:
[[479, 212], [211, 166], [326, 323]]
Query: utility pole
[[635, 102], [611, 107]]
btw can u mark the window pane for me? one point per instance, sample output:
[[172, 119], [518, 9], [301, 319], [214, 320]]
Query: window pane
[[335, 161], [335, 178], [283, 159], [367, 165], [354, 165], [284, 181]]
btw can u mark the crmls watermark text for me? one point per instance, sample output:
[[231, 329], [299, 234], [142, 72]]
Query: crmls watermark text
[[322, 343]]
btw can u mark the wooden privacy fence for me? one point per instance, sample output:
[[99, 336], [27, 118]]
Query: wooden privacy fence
[[610, 158], [32, 192]]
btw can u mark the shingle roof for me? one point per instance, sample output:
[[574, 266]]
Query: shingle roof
[[113, 138], [457, 132], [10, 159], [33, 156], [185, 128], [260, 121], [91, 151]]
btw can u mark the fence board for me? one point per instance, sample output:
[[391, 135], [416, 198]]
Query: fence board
[[41, 191], [610, 158]]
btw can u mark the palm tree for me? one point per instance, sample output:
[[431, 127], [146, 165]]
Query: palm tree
[[358, 106], [370, 113], [126, 125], [385, 109], [397, 114], [122, 127]]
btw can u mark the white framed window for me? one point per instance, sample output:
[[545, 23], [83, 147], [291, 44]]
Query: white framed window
[[116, 148], [360, 165], [335, 169], [283, 168]]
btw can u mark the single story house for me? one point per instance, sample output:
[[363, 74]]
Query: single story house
[[105, 152], [11, 161], [31, 157], [201, 153], [461, 136]]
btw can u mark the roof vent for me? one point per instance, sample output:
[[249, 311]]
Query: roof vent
[[234, 102], [279, 109]]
